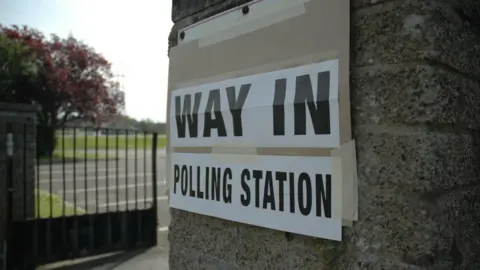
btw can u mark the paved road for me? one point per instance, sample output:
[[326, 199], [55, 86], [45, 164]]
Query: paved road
[[121, 153], [99, 186]]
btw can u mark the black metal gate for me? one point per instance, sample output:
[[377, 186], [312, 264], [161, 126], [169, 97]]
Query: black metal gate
[[95, 193]]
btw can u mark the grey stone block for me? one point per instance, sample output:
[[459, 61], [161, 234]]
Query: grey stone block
[[415, 109], [22, 118]]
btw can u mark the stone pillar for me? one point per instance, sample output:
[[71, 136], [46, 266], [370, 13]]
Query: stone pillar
[[415, 93], [23, 120]]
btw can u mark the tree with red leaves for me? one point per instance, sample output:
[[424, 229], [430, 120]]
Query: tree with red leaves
[[71, 80]]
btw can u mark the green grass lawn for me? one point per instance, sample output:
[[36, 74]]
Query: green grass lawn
[[109, 142], [43, 209]]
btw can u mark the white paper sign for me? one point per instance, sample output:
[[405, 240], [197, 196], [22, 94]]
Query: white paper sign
[[295, 107], [287, 193]]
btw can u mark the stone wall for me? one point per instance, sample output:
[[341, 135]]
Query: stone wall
[[22, 119], [415, 91]]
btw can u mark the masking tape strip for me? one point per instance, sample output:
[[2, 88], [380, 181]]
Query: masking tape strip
[[337, 179], [289, 63], [232, 18], [346, 188], [254, 25]]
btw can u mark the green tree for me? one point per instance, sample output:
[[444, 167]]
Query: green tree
[[17, 63], [72, 81]]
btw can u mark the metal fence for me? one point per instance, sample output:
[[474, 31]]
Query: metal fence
[[100, 170], [94, 193]]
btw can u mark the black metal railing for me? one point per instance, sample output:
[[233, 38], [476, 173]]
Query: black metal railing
[[83, 191], [89, 168]]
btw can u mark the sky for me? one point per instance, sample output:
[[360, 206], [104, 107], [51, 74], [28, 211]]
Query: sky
[[133, 35]]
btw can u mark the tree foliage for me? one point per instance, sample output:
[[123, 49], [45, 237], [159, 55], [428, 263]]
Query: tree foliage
[[64, 77], [16, 64], [71, 80]]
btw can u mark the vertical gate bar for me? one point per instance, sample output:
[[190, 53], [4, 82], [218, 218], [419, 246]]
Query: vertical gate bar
[[107, 139], [92, 223], [139, 224], [116, 170], [64, 187], [35, 220], [64, 174], [125, 213], [24, 184], [139, 227], [24, 171], [37, 197], [50, 188], [50, 176], [85, 171], [37, 188], [97, 208], [136, 169], [145, 170], [107, 189], [75, 218], [90, 219], [26, 199], [154, 179], [92, 233], [96, 171], [9, 186], [74, 172], [154, 171], [126, 169]]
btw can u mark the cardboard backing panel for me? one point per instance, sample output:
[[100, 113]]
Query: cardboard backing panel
[[292, 34]]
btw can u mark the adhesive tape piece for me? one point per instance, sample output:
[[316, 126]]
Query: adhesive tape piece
[[245, 25], [337, 176], [269, 67], [233, 18], [238, 153], [347, 170]]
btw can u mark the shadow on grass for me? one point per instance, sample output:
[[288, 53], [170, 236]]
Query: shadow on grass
[[51, 205], [108, 262]]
